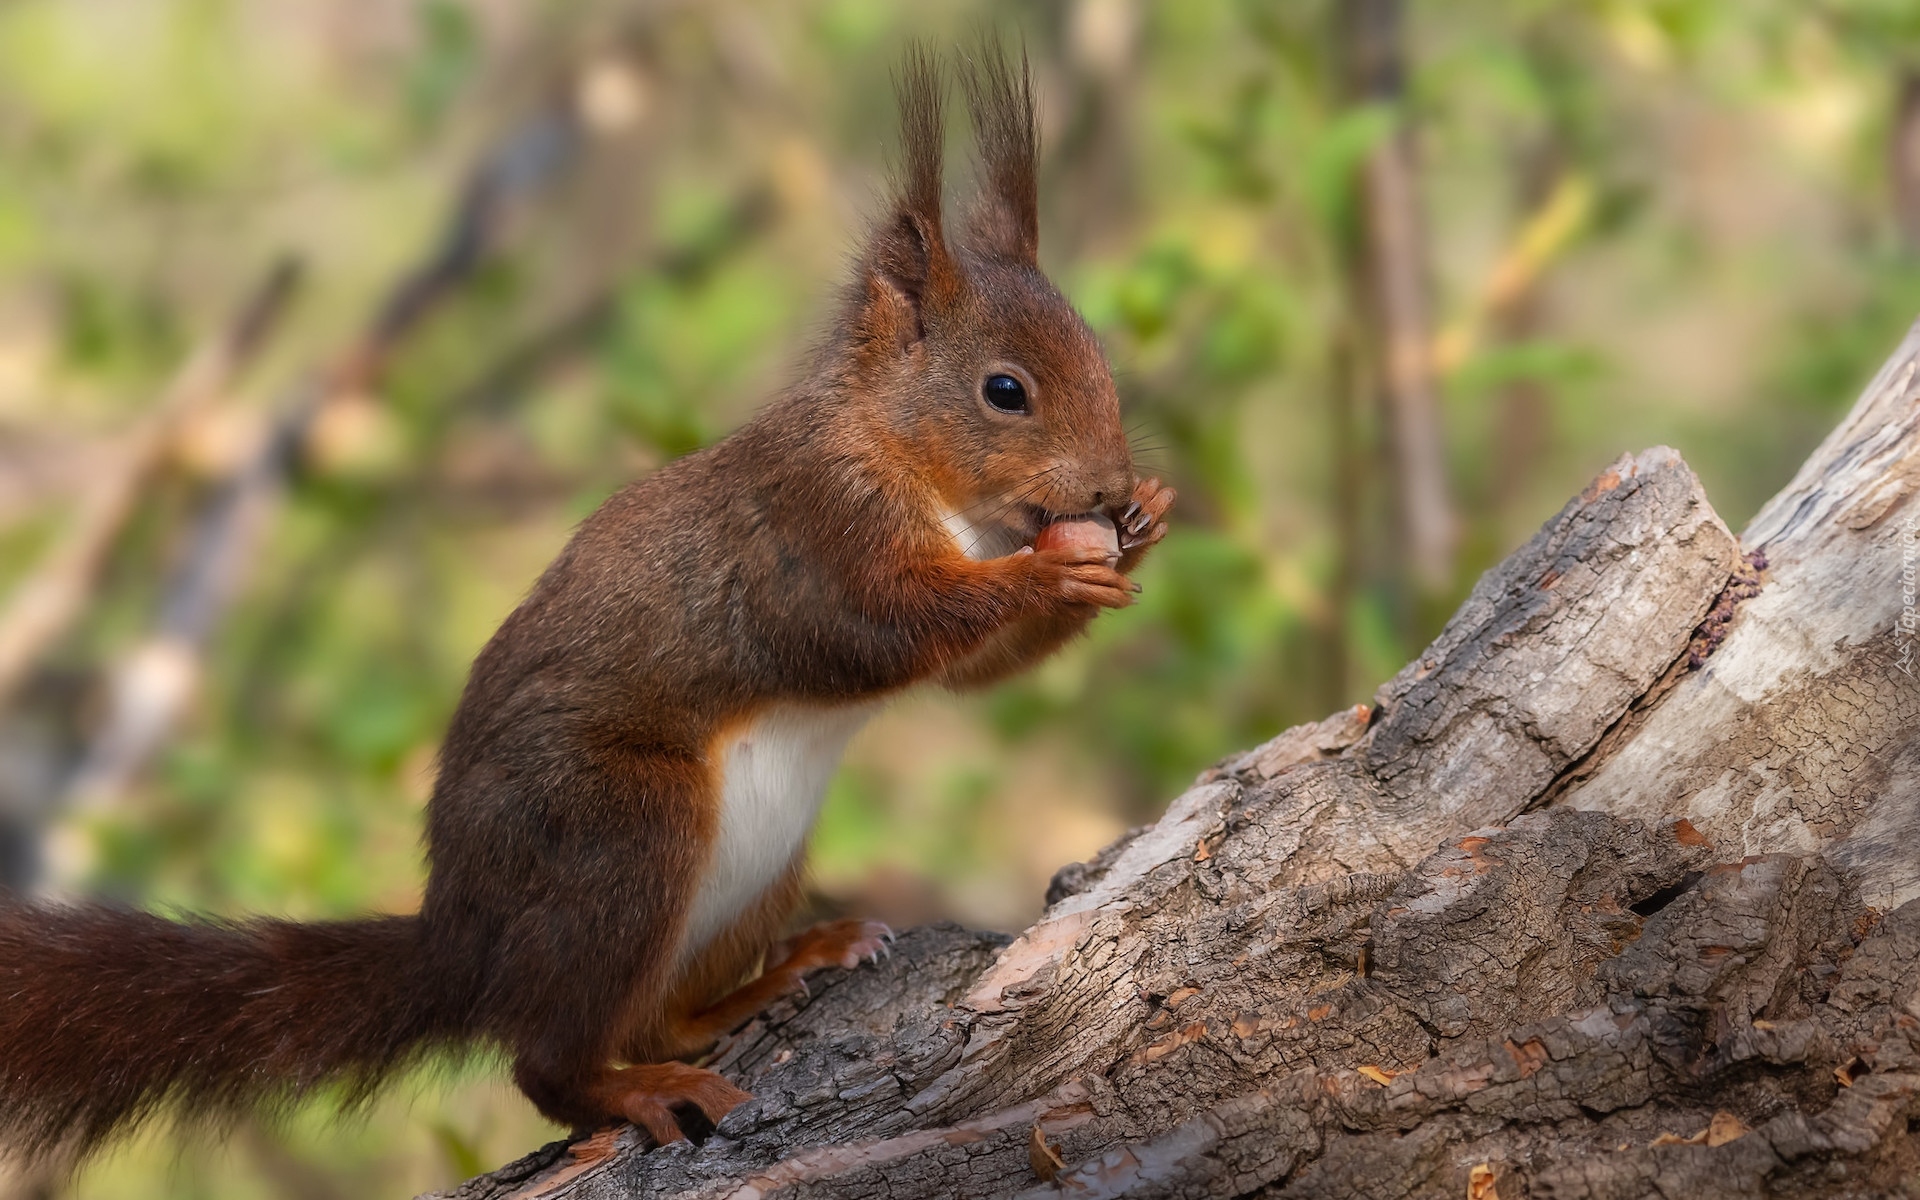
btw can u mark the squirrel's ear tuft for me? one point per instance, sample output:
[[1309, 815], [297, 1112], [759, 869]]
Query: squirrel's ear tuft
[[907, 264], [1006, 219]]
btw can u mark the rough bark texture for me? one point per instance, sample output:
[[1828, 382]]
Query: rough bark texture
[[1609, 894], [1799, 734]]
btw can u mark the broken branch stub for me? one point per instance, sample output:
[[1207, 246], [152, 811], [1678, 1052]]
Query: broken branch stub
[[1798, 733]]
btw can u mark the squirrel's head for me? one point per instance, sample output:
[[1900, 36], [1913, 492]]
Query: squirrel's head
[[962, 355]]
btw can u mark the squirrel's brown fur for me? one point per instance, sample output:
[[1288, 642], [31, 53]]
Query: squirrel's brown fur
[[810, 559]]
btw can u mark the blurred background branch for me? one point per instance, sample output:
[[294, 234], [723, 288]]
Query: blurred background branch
[[1393, 265], [157, 677], [45, 603]]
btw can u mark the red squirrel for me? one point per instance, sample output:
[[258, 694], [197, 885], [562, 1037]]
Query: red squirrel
[[617, 831]]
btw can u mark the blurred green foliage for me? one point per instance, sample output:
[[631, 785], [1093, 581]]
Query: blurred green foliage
[[1724, 270]]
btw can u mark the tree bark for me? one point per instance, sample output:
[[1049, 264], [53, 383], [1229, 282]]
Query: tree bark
[[1611, 893]]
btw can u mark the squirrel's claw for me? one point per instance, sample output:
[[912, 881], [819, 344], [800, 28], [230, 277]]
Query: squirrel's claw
[[1143, 521]]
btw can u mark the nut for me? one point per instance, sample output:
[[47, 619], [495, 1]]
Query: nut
[[1090, 530]]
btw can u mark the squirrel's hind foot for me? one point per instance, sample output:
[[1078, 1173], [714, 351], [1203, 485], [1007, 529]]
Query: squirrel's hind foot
[[647, 1095], [844, 943]]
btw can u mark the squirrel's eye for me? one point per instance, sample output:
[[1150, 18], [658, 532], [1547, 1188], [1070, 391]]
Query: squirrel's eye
[[1005, 393]]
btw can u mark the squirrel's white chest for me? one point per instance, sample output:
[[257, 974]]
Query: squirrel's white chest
[[980, 542], [774, 774]]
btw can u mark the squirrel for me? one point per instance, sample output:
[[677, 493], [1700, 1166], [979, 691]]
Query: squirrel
[[616, 834]]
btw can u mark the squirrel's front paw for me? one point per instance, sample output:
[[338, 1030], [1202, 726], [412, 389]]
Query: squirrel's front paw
[[1144, 520], [1078, 574]]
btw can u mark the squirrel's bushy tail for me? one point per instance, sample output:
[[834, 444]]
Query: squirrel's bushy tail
[[107, 1015]]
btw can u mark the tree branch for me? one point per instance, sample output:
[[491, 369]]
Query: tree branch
[[1352, 963]]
